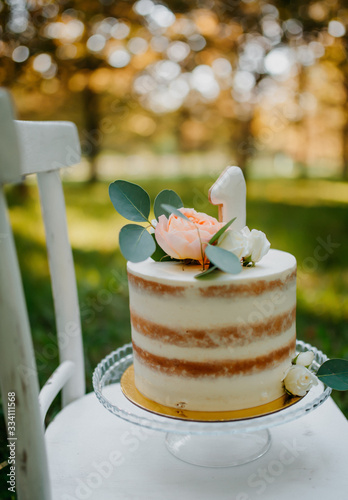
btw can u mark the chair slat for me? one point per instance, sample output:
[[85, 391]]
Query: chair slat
[[10, 157], [63, 281], [18, 371]]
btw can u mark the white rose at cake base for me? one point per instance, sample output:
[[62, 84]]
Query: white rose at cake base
[[304, 358], [299, 380]]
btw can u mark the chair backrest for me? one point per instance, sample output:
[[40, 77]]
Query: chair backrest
[[41, 148]]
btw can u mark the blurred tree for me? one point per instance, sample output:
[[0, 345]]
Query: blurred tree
[[208, 67], [58, 47]]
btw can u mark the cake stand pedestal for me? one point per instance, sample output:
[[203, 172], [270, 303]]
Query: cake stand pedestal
[[217, 443], [219, 450]]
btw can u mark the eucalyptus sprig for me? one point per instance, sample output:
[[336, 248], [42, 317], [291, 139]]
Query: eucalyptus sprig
[[137, 244], [133, 203], [334, 373], [220, 259]]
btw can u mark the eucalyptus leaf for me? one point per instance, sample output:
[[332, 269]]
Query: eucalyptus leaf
[[169, 209], [166, 196], [206, 273], [221, 231], [130, 200], [223, 259], [334, 373], [136, 244]]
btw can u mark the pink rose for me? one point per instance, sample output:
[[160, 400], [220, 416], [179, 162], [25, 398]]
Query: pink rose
[[179, 237]]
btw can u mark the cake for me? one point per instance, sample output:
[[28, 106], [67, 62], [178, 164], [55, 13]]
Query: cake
[[216, 345], [212, 308]]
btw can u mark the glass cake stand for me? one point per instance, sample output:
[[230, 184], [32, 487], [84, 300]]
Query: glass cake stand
[[208, 439]]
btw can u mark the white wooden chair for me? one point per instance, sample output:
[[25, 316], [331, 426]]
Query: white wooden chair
[[86, 452], [42, 148]]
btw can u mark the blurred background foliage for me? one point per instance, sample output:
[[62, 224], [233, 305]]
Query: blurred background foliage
[[263, 84], [167, 95]]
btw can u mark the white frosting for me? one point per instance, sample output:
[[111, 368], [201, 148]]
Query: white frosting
[[192, 314], [211, 394], [274, 265]]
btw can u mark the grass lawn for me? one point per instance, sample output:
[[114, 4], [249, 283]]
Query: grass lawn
[[301, 217]]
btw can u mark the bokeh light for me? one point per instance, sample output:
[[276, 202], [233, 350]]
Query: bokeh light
[[42, 63], [96, 43], [120, 31], [197, 42], [178, 51], [20, 54], [144, 7], [119, 58], [336, 29], [222, 67], [203, 80], [279, 61], [161, 16], [137, 45]]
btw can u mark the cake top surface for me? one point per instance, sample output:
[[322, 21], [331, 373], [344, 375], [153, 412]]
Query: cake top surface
[[274, 264]]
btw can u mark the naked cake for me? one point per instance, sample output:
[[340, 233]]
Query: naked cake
[[213, 309], [222, 344]]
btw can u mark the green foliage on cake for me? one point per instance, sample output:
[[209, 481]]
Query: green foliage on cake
[[182, 234]]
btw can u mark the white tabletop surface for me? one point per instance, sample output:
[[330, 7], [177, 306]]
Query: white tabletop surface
[[96, 455]]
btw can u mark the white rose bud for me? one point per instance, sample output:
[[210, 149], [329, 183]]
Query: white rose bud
[[259, 244], [235, 242], [299, 380], [305, 359]]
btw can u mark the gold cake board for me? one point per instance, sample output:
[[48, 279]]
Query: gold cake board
[[132, 393]]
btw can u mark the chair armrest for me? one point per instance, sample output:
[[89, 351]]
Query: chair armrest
[[53, 385]]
